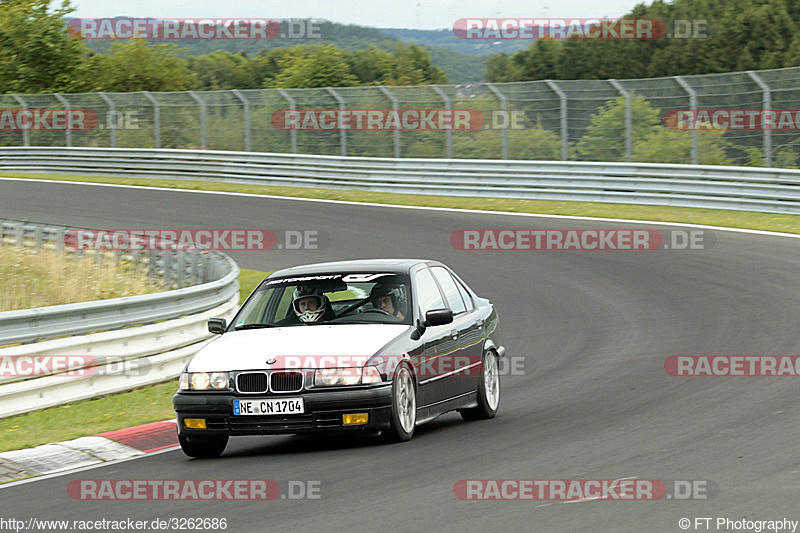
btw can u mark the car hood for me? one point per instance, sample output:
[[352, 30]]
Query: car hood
[[322, 346]]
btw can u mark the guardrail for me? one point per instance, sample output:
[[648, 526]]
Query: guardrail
[[216, 272], [117, 360], [767, 190]]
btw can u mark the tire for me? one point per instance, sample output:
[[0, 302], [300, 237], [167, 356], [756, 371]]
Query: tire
[[404, 407], [488, 391], [203, 449]]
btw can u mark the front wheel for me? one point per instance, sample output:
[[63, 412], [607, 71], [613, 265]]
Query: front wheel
[[204, 449], [488, 391], [404, 407]]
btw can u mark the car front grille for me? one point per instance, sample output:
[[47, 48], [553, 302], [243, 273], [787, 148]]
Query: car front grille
[[286, 381], [251, 382]]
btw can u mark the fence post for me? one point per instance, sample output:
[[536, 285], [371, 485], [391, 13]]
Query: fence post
[[628, 120], [246, 108], [393, 98], [292, 130], [766, 105], [202, 103], [504, 109], [156, 118], [68, 131], [342, 131], [111, 123], [26, 141], [448, 134], [564, 124], [693, 106]]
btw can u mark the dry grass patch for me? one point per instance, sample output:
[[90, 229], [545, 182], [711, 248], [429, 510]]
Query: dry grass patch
[[38, 278]]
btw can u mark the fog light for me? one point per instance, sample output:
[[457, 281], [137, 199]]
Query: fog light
[[355, 418], [194, 423]]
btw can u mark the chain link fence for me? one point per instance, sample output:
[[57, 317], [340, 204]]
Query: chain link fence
[[578, 120]]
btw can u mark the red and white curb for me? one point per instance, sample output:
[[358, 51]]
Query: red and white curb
[[86, 451]]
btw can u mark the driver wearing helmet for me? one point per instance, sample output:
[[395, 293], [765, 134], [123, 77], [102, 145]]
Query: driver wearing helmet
[[386, 298], [309, 304]]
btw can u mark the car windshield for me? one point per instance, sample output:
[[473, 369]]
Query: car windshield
[[341, 298]]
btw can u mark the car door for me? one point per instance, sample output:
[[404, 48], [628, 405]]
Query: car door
[[437, 341], [465, 360]]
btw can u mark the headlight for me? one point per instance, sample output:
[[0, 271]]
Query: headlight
[[328, 377], [204, 381]]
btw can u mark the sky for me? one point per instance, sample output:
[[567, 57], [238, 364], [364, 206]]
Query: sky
[[415, 14]]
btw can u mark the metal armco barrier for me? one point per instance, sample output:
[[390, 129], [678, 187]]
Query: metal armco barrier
[[761, 189], [122, 359], [218, 271]]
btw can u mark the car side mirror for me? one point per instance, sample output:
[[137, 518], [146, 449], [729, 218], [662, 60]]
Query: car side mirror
[[434, 317], [217, 325], [438, 317]]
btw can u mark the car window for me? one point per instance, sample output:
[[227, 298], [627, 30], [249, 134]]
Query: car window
[[428, 293], [342, 298], [450, 290], [465, 295]]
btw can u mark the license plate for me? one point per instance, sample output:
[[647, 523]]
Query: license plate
[[281, 406]]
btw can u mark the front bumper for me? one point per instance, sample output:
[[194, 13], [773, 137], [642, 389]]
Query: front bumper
[[324, 410]]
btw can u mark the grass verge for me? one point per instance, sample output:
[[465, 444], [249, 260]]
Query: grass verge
[[38, 278], [116, 411], [711, 217]]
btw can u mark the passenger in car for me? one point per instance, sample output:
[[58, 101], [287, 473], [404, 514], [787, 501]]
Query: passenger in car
[[387, 298]]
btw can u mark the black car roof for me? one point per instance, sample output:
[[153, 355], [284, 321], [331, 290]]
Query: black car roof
[[399, 266]]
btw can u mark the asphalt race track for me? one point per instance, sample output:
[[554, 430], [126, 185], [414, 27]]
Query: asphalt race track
[[593, 401]]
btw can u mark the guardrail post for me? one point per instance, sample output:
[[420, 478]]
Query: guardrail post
[[395, 107], [26, 141], [564, 123], [203, 109], [156, 118], [693, 106], [628, 119], [111, 123], [19, 233], [766, 105], [292, 130], [503, 107], [181, 272], [342, 131], [246, 109], [68, 131], [448, 134]]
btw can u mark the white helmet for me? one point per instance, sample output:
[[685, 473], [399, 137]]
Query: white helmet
[[309, 291]]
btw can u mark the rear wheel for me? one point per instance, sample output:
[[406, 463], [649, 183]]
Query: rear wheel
[[404, 407], [488, 390], [203, 449]]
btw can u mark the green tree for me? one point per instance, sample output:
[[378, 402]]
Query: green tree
[[224, 70], [605, 137], [662, 145], [36, 54], [138, 66], [318, 66]]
